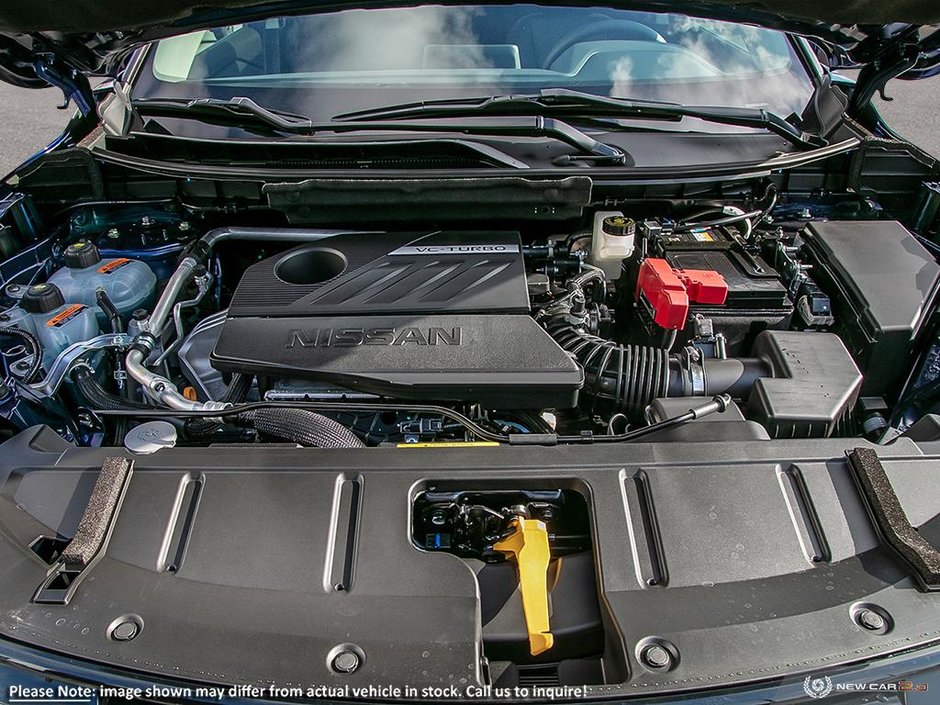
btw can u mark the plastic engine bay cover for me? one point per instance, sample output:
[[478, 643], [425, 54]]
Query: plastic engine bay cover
[[432, 316]]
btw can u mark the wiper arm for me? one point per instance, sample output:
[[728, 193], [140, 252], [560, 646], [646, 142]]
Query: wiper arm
[[523, 126], [242, 110], [719, 114], [566, 101], [238, 110]]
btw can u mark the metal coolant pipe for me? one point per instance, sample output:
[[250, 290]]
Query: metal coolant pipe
[[156, 386]]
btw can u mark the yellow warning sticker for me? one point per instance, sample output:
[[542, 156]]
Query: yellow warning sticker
[[451, 444]]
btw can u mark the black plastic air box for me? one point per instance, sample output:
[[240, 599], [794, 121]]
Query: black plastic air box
[[814, 383], [881, 281]]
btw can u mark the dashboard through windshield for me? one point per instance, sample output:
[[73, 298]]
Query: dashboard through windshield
[[325, 64]]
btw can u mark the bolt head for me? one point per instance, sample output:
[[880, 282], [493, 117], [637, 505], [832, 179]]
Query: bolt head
[[656, 656], [871, 620], [125, 631], [346, 662]]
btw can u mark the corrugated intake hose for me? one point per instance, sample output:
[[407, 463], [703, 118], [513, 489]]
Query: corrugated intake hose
[[307, 428], [36, 348], [628, 376], [98, 397]]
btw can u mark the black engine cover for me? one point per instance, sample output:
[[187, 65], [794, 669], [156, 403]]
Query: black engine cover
[[438, 317]]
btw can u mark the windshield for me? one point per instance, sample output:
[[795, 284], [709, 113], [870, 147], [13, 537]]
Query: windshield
[[326, 64]]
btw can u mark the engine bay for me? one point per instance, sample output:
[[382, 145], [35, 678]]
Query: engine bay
[[724, 338], [617, 329]]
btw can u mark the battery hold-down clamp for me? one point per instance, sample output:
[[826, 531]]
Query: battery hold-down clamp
[[666, 292]]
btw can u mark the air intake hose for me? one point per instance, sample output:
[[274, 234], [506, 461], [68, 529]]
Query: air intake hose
[[629, 377], [302, 426]]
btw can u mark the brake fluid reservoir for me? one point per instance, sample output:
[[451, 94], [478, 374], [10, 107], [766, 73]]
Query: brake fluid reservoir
[[54, 322], [612, 242], [129, 283]]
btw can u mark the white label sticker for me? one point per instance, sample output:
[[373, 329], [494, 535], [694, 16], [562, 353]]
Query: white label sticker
[[456, 250]]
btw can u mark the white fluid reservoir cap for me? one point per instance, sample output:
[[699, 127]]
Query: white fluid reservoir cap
[[150, 437]]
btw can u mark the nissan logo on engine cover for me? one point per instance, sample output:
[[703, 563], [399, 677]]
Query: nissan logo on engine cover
[[351, 337]]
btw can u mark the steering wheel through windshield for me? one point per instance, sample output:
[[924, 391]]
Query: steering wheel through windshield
[[600, 30]]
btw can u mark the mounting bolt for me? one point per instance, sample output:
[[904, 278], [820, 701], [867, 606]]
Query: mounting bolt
[[870, 620], [346, 662], [125, 628], [656, 656]]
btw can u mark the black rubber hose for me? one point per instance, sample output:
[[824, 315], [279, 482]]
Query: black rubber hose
[[98, 397], [627, 376], [307, 428], [236, 393], [238, 388], [734, 375], [33, 342], [110, 310]]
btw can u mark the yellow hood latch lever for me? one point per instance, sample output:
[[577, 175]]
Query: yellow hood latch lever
[[528, 547]]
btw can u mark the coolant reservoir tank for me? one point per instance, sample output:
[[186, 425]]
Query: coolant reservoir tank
[[129, 283], [56, 323], [612, 242]]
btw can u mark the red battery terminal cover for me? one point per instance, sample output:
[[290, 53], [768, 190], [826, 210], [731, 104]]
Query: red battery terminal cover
[[669, 291]]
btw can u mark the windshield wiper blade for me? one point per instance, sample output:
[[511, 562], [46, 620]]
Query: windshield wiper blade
[[719, 114], [522, 126], [569, 102], [241, 110], [238, 110]]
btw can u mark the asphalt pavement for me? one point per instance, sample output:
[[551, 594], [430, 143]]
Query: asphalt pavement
[[29, 119]]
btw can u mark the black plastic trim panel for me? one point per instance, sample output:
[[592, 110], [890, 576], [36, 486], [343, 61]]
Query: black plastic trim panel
[[751, 559]]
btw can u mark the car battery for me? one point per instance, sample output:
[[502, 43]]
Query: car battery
[[664, 293], [756, 297]]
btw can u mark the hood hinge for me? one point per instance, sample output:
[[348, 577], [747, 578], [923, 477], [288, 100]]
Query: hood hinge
[[72, 82], [884, 58]]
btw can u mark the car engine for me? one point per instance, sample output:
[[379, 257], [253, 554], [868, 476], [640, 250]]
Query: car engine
[[435, 316], [145, 326]]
